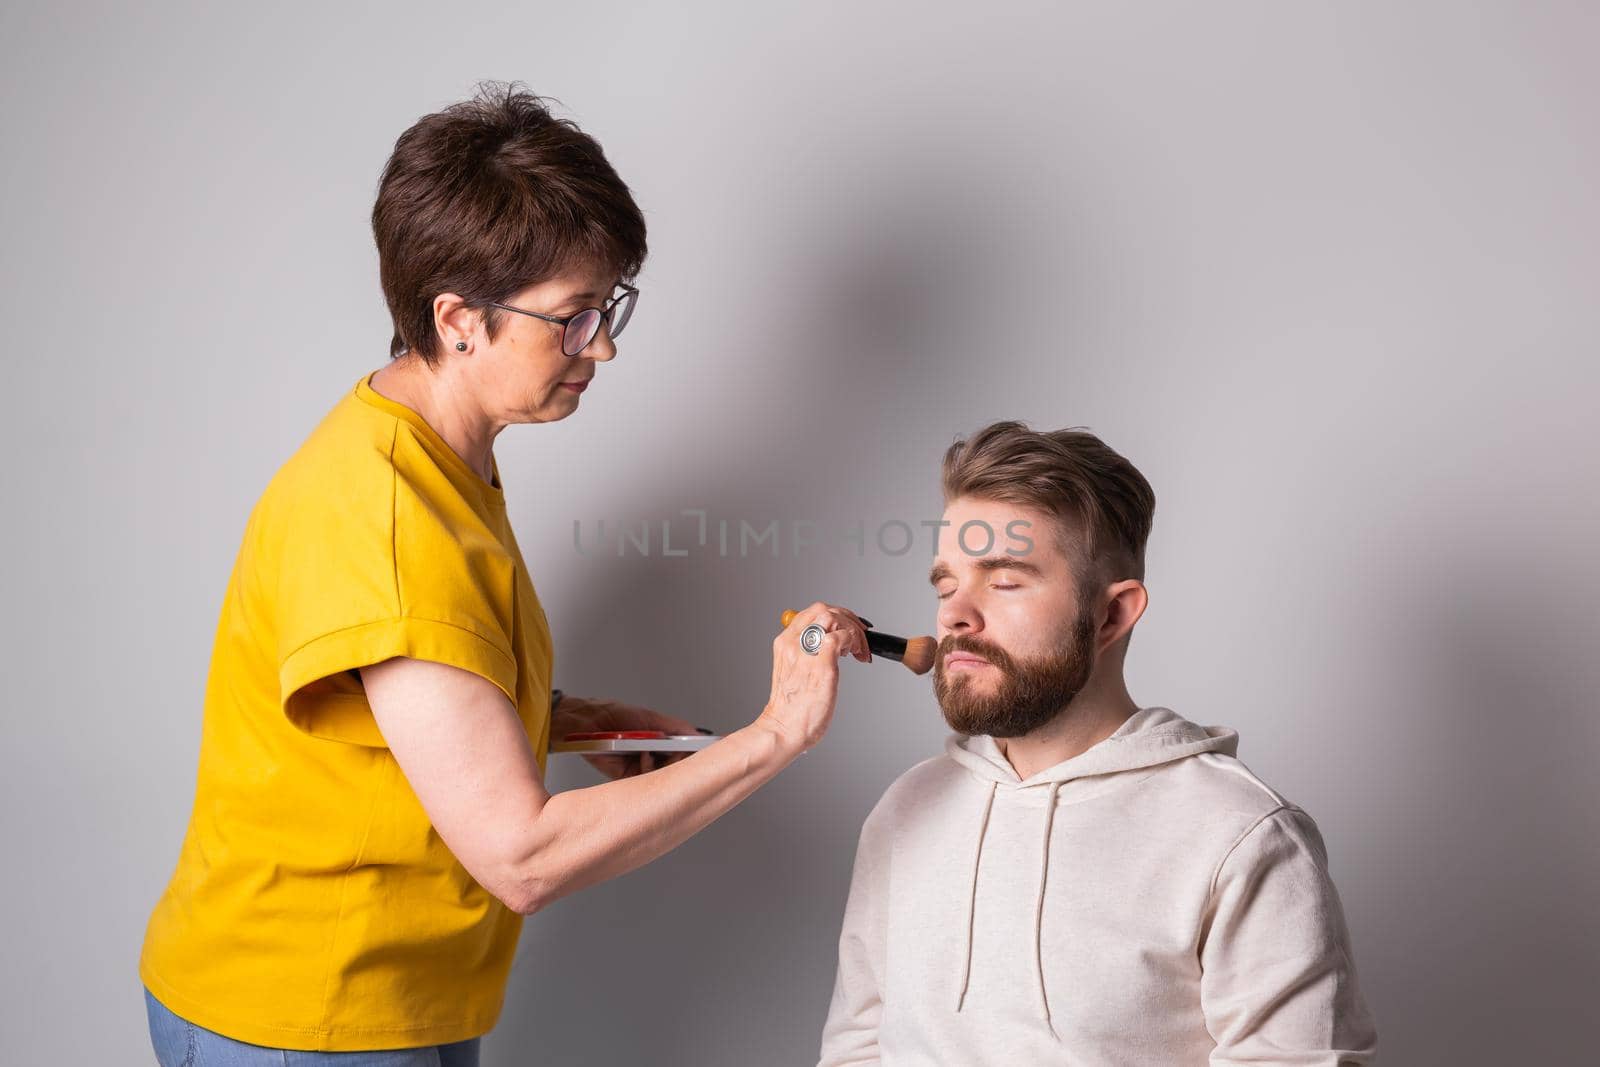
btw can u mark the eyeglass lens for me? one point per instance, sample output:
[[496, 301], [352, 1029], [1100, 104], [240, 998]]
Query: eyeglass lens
[[582, 328]]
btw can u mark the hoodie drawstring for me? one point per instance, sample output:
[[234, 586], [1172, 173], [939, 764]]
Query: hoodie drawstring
[[972, 899], [1038, 908], [1038, 904]]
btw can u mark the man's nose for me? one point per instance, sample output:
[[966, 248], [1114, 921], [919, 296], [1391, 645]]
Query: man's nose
[[957, 615]]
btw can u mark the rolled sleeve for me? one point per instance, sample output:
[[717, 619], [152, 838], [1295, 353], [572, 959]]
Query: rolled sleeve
[[320, 702]]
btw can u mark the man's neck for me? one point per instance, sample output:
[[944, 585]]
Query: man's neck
[[1087, 721]]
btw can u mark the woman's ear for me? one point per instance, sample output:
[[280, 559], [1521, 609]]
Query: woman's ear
[[454, 321]]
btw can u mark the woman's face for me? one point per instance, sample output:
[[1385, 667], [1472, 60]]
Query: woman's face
[[523, 372]]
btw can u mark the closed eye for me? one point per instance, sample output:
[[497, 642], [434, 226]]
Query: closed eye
[[948, 595]]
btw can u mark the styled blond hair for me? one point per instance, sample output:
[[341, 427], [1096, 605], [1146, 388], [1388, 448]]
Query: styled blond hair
[[1070, 474]]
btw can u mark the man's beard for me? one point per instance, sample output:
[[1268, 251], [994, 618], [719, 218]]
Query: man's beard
[[1030, 694]]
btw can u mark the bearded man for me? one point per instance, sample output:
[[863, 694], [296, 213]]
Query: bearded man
[[1078, 879]]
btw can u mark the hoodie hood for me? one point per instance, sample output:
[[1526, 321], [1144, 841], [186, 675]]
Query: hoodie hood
[[1150, 737]]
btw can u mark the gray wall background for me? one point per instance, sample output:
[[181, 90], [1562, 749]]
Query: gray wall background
[[1325, 272]]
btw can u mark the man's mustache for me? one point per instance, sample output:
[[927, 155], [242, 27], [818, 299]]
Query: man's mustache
[[973, 646]]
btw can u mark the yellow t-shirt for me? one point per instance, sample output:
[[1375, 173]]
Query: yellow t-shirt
[[314, 906]]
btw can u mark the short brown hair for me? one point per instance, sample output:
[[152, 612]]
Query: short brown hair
[[490, 196], [1070, 474]]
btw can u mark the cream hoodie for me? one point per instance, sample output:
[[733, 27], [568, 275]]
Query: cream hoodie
[[1149, 902]]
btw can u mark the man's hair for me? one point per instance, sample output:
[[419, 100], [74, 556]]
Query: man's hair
[[1070, 474], [490, 196]]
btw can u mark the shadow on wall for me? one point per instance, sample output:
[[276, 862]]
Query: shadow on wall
[[638, 970], [1484, 947]]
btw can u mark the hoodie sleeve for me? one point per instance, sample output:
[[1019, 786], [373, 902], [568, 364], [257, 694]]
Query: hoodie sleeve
[[850, 1036], [1278, 981]]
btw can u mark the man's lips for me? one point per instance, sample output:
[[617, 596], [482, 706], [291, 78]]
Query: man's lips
[[576, 387], [964, 661]]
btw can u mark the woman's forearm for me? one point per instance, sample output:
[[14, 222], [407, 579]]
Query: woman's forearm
[[584, 836]]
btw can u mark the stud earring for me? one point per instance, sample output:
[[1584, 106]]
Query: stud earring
[[461, 346]]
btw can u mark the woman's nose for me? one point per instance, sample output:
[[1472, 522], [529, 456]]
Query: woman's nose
[[602, 349]]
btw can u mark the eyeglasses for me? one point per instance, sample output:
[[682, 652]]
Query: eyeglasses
[[584, 326]]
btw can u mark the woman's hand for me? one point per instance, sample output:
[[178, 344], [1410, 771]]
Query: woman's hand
[[804, 687], [584, 715]]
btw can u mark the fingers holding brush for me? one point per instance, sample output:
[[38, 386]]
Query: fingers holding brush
[[805, 670], [916, 653], [830, 618]]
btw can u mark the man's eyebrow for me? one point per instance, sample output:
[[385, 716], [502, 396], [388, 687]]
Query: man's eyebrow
[[1007, 563], [991, 563]]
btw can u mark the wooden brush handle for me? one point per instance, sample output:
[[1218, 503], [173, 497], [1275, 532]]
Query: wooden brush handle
[[788, 616]]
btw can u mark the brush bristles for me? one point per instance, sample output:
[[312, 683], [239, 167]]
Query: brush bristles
[[919, 654]]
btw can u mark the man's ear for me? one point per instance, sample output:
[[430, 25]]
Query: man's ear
[[1125, 604]]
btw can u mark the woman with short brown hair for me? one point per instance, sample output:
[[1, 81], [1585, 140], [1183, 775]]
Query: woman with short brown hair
[[370, 822]]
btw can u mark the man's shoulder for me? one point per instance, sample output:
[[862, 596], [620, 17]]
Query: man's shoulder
[[1220, 796], [935, 772], [1232, 816], [916, 790]]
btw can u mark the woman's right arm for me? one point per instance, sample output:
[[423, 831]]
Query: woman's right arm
[[465, 754]]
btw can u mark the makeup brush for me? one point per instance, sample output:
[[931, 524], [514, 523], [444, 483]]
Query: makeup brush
[[915, 652]]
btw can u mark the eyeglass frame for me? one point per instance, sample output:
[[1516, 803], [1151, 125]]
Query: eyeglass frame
[[562, 321]]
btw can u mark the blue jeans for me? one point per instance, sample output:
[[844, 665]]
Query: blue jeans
[[180, 1043]]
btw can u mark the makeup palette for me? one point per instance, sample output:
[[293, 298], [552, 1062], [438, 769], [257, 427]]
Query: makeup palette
[[632, 741]]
